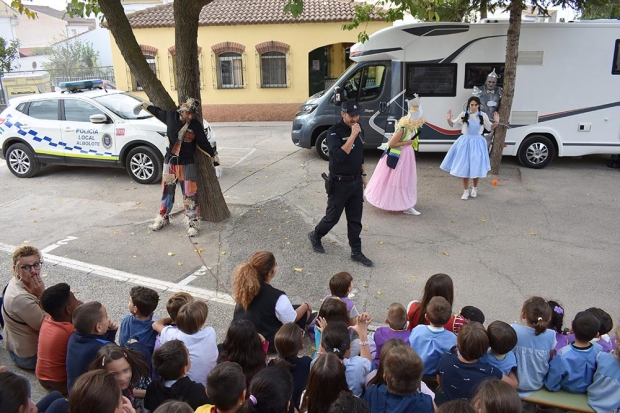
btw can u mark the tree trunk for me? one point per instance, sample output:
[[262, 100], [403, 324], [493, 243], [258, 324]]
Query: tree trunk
[[209, 196], [510, 76], [126, 41], [483, 9]]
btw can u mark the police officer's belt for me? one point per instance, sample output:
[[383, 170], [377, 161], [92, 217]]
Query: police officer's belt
[[344, 178]]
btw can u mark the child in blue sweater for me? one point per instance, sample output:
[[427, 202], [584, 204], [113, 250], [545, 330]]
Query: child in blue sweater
[[502, 340], [604, 392], [136, 328], [93, 330], [572, 368], [432, 341]]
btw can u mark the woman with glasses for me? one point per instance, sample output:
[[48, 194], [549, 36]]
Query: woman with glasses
[[21, 310]]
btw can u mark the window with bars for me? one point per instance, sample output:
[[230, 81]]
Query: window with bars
[[152, 64], [273, 69], [230, 70]]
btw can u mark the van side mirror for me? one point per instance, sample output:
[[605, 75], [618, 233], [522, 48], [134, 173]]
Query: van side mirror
[[338, 98]]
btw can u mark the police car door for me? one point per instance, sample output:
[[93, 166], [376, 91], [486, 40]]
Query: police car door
[[40, 128], [87, 142]]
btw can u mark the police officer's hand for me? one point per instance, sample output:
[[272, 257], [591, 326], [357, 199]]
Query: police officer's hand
[[364, 181], [355, 129]]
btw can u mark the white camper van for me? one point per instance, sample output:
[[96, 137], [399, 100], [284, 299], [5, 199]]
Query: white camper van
[[567, 93]]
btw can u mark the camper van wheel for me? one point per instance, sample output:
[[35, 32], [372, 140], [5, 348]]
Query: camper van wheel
[[321, 146], [21, 161], [144, 165], [536, 152]]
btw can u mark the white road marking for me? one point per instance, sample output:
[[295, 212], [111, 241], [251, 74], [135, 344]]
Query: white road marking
[[187, 280], [243, 159], [126, 277], [58, 244]]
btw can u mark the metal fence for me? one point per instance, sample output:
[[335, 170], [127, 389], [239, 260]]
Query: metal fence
[[59, 75]]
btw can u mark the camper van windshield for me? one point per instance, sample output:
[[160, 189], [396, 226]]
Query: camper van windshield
[[123, 105]]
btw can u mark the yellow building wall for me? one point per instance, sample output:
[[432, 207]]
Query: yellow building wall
[[301, 37]]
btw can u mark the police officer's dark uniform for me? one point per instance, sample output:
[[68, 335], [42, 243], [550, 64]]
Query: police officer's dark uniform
[[347, 187]]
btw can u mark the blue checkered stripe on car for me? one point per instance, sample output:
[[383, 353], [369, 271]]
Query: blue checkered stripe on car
[[34, 135]]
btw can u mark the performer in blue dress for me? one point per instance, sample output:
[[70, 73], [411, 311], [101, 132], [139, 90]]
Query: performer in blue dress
[[468, 157]]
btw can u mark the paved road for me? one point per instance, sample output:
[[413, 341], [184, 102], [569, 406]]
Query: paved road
[[550, 232]]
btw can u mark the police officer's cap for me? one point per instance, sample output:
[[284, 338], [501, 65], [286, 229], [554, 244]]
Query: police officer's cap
[[351, 107]]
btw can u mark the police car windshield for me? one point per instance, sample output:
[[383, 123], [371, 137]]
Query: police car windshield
[[123, 105]]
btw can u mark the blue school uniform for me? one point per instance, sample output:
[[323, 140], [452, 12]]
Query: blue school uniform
[[604, 392], [572, 368], [533, 354], [381, 400], [506, 365], [431, 343], [141, 330]]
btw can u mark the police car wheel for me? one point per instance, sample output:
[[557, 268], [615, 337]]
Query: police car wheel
[[321, 146], [144, 165], [21, 161]]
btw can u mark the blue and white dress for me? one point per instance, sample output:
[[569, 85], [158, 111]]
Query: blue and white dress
[[468, 157]]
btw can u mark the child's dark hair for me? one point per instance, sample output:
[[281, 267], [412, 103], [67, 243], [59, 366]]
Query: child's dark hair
[[437, 285], [340, 283], [55, 299], [537, 314], [348, 403], [557, 317], [176, 301], [585, 326], [456, 406], [144, 299], [466, 116], [192, 317], [336, 339], [497, 396], [87, 316], [325, 382], [288, 342], [95, 391], [472, 341], [242, 345], [439, 311], [605, 319], [13, 392], [391, 344], [397, 316], [170, 359], [334, 309], [502, 337], [174, 406], [112, 352], [472, 313], [403, 371], [225, 385], [270, 391]]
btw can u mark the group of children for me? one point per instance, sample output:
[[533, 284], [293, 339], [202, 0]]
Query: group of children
[[426, 359]]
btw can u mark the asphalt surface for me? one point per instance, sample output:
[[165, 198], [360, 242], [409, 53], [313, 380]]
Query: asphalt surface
[[550, 232]]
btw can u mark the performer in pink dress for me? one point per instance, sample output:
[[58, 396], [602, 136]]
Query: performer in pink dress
[[395, 187]]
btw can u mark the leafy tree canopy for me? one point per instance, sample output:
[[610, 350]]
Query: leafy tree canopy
[[9, 52]]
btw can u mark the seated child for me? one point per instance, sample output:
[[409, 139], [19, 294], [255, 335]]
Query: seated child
[[557, 323], [348, 403], [496, 396], [59, 302], [340, 286], [460, 374], [502, 340], [226, 387], [432, 341], [332, 310], [173, 305], [172, 362], [397, 323], [199, 339], [472, 313], [602, 338], [403, 374], [604, 392], [138, 325], [93, 330], [572, 368]]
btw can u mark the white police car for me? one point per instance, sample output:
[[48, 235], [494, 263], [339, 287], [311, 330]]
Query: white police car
[[83, 127]]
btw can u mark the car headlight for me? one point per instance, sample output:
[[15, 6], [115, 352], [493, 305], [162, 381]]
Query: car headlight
[[306, 109]]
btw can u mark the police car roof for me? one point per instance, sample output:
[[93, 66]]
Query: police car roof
[[42, 96]]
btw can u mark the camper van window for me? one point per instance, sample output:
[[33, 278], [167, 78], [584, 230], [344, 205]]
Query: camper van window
[[476, 74], [431, 79], [44, 109], [79, 111], [615, 70]]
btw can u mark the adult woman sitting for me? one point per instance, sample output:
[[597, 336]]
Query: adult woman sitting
[[257, 301], [21, 310]]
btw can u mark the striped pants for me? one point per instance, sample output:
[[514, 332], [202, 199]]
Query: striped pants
[[185, 176]]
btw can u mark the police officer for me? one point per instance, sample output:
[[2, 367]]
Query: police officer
[[348, 180]]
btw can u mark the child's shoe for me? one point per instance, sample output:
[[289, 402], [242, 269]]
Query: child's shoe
[[159, 222], [474, 192], [465, 195], [411, 211]]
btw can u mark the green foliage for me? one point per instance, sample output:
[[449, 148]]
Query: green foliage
[[72, 58], [41, 51], [610, 10], [21, 9], [9, 52], [83, 8]]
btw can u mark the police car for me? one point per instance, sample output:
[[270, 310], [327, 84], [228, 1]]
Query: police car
[[84, 126]]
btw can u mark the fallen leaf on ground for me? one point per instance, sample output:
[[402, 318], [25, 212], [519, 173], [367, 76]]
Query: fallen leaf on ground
[[484, 220], [380, 242], [199, 250], [298, 269], [43, 275], [171, 254], [454, 221], [223, 252], [379, 293], [179, 263], [446, 254], [135, 256], [532, 233]]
